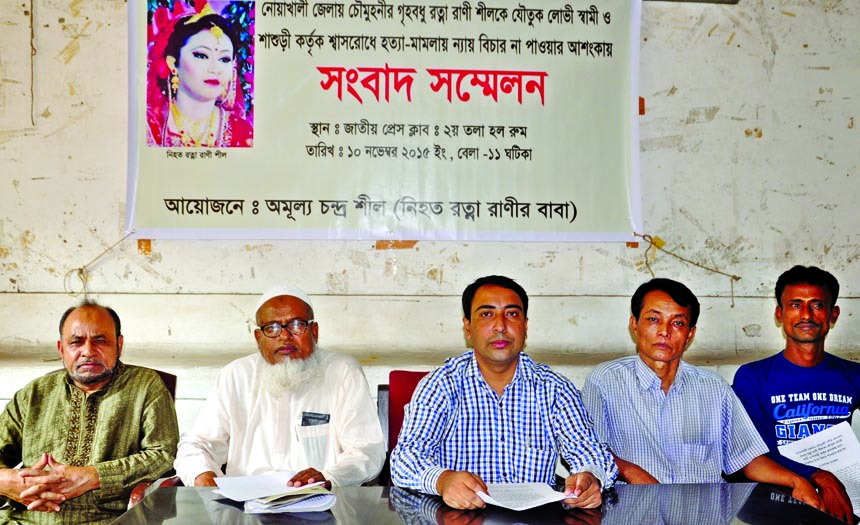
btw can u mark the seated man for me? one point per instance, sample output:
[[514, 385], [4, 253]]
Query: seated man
[[666, 421], [85, 435], [291, 407], [492, 415], [803, 389]]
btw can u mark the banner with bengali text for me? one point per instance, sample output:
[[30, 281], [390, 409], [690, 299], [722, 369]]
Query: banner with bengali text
[[414, 119]]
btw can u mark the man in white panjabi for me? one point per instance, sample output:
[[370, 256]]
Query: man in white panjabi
[[290, 407]]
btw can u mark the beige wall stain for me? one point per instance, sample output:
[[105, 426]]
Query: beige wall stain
[[259, 248], [359, 259], [752, 330], [27, 239], [74, 46], [702, 115], [71, 121], [548, 257], [75, 7], [4, 84], [391, 267], [660, 143], [7, 135], [436, 274], [337, 283]]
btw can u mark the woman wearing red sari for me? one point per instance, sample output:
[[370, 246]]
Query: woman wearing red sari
[[192, 85]]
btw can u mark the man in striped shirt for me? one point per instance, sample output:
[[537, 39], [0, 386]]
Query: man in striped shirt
[[492, 415], [666, 421]]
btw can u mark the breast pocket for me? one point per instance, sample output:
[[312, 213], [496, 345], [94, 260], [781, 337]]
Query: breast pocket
[[695, 463], [697, 453], [313, 442], [539, 466]]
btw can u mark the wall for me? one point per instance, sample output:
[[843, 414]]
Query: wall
[[750, 155]]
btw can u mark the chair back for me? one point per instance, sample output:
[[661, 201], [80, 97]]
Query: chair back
[[169, 381], [401, 384], [142, 488]]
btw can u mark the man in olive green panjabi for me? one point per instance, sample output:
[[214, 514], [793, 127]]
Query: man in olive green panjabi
[[75, 442]]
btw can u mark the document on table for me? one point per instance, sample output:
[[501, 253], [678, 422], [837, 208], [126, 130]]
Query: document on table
[[520, 496], [835, 449], [244, 488]]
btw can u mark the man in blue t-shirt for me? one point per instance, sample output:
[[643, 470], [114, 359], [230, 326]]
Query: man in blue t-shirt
[[803, 390]]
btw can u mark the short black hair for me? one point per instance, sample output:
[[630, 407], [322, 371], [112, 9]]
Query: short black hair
[[495, 280], [811, 275], [90, 303], [677, 291]]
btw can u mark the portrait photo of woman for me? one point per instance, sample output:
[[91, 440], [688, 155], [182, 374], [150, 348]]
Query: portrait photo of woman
[[200, 74]]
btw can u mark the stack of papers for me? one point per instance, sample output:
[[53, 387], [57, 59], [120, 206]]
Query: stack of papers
[[313, 499], [269, 493]]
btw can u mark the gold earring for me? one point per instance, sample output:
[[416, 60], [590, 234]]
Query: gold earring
[[229, 96], [174, 76]]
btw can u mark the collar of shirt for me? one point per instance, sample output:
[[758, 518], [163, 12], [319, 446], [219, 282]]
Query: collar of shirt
[[822, 364], [525, 369], [648, 379]]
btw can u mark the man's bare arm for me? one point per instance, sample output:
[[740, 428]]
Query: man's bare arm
[[764, 469], [633, 473]]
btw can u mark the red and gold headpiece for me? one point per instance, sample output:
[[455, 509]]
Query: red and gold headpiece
[[163, 24]]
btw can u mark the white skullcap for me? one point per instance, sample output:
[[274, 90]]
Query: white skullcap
[[288, 290]]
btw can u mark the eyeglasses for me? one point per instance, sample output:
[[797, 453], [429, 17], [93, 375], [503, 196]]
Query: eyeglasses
[[296, 327]]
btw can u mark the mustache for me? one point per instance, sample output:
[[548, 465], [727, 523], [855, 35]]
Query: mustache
[[82, 362], [813, 323]]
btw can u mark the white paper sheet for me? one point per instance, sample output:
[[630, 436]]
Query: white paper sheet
[[835, 449], [520, 496], [244, 488]]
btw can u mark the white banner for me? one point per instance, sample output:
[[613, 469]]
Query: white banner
[[376, 120]]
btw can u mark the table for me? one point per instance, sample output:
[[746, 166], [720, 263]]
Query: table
[[717, 504]]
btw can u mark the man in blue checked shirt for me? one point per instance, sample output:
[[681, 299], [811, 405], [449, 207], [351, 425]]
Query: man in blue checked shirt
[[492, 415], [667, 421]]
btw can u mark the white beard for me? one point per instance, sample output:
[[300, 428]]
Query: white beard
[[290, 374]]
